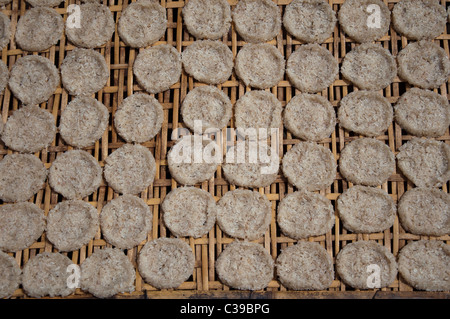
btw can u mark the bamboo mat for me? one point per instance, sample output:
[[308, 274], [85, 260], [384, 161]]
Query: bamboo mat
[[204, 282]]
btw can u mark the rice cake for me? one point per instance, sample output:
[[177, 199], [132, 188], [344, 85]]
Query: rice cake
[[5, 30], [10, 274], [4, 76], [126, 221]]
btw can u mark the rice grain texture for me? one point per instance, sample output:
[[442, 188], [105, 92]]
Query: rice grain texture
[[5, 30], [10, 275], [4, 77]]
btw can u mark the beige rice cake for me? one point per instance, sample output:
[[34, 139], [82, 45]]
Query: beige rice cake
[[244, 214], [424, 64], [369, 66], [189, 211], [130, 169], [84, 72], [423, 264], [423, 113], [107, 272], [207, 19], [365, 20], [157, 68], [44, 3], [258, 113], [10, 275], [425, 162], [365, 112], [367, 161], [5, 30], [23, 175], [251, 164], [358, 263], [364, 209], [419, 19], [260, 65], [4, 76], [39, 29], [166, 263], [310, 20], [126, 221], [46, 274], [245, 266], [142, 23], [310, 117], [71, 224], [305, 266], [33, 79], [209, 105], [312, 68], [21, 224], [29, 129], [193, 159], [208, 61], [83, 121], [75, 174], [303, 214], [96, 26], [139, 118], [425, 211], [309, 166], [257, 20]]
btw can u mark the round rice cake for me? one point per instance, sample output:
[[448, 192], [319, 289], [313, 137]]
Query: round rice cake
[[84, 72], [21, 224], [33, 79], [423, 113], [39, 29], [130, 169], [5, 30], [423, 264], [71, 224], [186, 167], [364, 209], [166, 262], [425, 162], [359, 19], [260, 65], [419, 19], [310, 20], [245, 266], [29, 129], [257, 113], [83, 121], [251, 164], [157, 68], [369, 66], [367, 161], [309, 166], [244, 214], [142, 23], [46, 274], [312, 68], [209, 105], [4, 76], [75, 174], [357, 261], [96, 26], [310, 117], [23, 175], [303, 214], [425, 211], [125, 221], [44, 3], [10, 274], [189, 211], [139, 118], [208, 61], [365, 112], [257, 20], [207, 19], [107, 272], [305, 266], [424, 64]]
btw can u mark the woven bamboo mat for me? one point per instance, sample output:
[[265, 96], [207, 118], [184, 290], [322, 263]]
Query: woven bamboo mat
[[204, 281]]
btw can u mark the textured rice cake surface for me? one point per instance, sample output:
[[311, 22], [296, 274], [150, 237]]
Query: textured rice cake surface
[[4, 76], [10, 274], [5, 30]]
